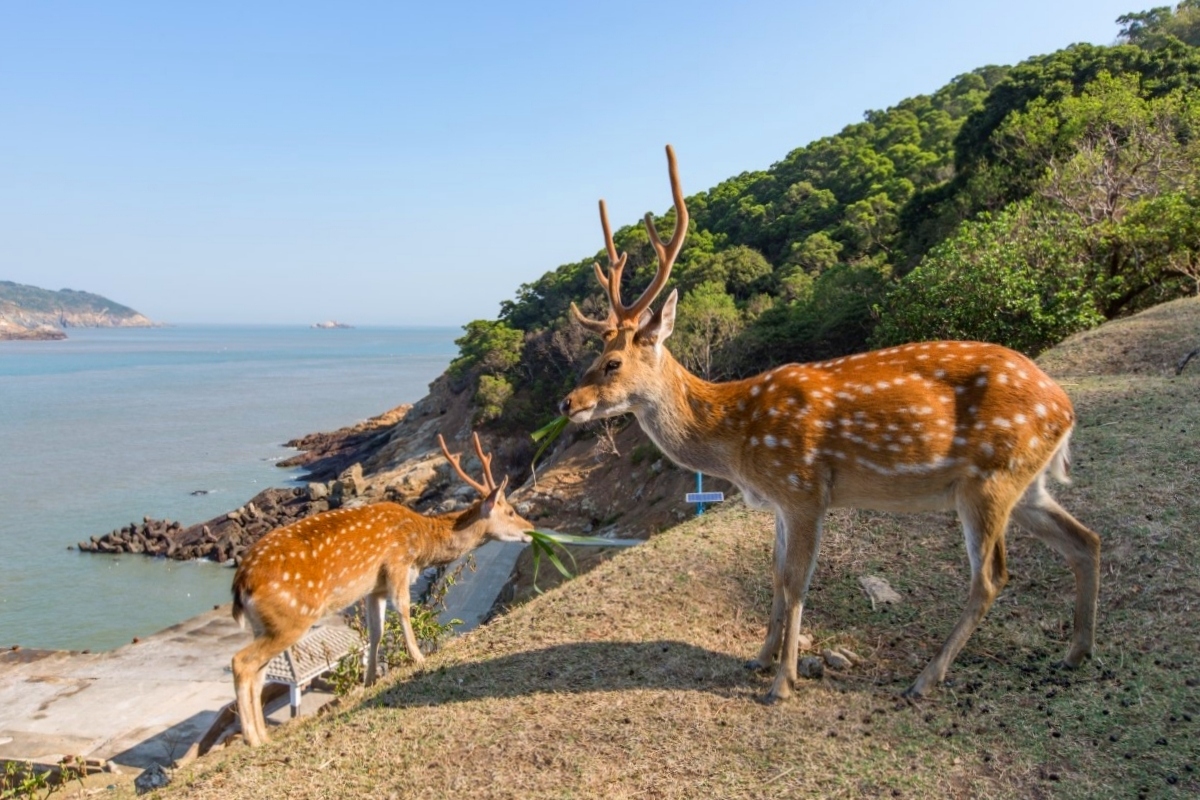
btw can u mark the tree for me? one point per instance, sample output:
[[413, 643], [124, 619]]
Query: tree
[[493, 347], [707, 319]]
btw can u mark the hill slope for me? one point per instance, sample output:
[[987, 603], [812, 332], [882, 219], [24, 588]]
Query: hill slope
[[30, 307], [628, 680]]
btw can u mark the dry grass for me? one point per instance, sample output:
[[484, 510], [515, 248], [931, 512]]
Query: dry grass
[[628, 681]]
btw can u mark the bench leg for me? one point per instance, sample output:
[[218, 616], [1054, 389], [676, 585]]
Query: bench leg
[[294, 695]]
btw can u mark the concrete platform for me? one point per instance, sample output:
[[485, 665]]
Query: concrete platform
[[147, 703]]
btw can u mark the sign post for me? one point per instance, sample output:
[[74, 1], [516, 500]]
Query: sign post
[[700, 497]]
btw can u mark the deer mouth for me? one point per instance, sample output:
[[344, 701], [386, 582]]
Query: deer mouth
[[582, 414]]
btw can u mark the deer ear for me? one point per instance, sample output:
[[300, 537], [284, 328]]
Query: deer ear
[[489, 503], [655, 328]]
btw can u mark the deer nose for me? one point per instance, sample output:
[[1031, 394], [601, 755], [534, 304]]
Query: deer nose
[[564, 407]]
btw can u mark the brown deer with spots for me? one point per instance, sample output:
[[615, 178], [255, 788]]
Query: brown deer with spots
[[295, 575], [937, 425]]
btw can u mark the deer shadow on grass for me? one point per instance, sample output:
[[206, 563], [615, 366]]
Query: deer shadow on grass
[[575, 668]]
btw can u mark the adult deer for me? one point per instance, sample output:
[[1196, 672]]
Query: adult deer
[[293, 576], [936, 425]]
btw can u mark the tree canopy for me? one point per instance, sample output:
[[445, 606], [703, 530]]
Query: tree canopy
[[1014, 204]]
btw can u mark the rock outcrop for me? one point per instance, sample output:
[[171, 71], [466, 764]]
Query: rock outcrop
[[11, 331]]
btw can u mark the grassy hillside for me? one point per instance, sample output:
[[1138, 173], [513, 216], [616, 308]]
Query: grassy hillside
[[67, 300], [628, 680]]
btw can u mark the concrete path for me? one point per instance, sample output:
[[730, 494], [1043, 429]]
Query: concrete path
[[146, 703]]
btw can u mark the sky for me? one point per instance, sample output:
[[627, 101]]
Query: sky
[[398, 163]]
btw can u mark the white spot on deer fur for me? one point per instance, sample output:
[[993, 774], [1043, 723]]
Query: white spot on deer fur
[[960, 441], [981, 380], [987, 449], [770, 441], [1034, 442], [960, 389], [1040, 410], [754, 441], [1001, 422], [882, 384], [866, 389], [794, 479], [754, 390], [1019, 419]]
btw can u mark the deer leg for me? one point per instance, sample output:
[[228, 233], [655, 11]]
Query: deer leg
[[794, 565], [770, 648], [401, 598], [376, 608], [984, 520], [1038, 513], [249, 673]]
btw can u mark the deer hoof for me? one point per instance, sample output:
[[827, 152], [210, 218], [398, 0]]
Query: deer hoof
[[754, 665]]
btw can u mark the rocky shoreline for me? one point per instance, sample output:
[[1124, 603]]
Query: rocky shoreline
[[224, 538], [616, 486]]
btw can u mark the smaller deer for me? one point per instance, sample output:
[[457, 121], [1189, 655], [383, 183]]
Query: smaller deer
[[293, 576]]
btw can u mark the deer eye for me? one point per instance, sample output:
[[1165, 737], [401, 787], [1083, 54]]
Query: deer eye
[[612, 366]]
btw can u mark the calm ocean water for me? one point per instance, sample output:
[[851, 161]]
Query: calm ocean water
[[112, 425]]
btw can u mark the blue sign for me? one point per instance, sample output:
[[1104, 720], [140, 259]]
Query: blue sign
[[704, 497]]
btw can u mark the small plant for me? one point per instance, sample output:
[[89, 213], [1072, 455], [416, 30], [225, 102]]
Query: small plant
[[22, 781], [428, 629]]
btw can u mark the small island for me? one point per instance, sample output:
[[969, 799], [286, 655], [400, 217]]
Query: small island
[[331, 325]]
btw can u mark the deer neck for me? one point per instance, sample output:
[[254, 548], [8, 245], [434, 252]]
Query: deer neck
[[683, 414], [456, 534]]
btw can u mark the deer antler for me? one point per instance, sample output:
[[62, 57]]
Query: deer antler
[[483, 489], [667, 253]]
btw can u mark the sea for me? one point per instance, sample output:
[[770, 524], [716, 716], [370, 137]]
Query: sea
[[184, 423]]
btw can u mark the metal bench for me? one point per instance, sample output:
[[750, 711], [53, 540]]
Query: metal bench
[[317, 653]]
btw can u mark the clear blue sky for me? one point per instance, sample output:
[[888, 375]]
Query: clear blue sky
[[413, 163]]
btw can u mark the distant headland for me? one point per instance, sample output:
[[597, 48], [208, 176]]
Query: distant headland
[[28, 312], [330, 325]]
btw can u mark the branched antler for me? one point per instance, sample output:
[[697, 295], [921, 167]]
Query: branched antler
[[667, 253], [489, 484]]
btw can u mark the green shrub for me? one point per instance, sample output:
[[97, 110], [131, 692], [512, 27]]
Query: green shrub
[[1019, 279]]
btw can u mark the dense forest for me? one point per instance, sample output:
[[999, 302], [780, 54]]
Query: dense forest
[[1015, 205]]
